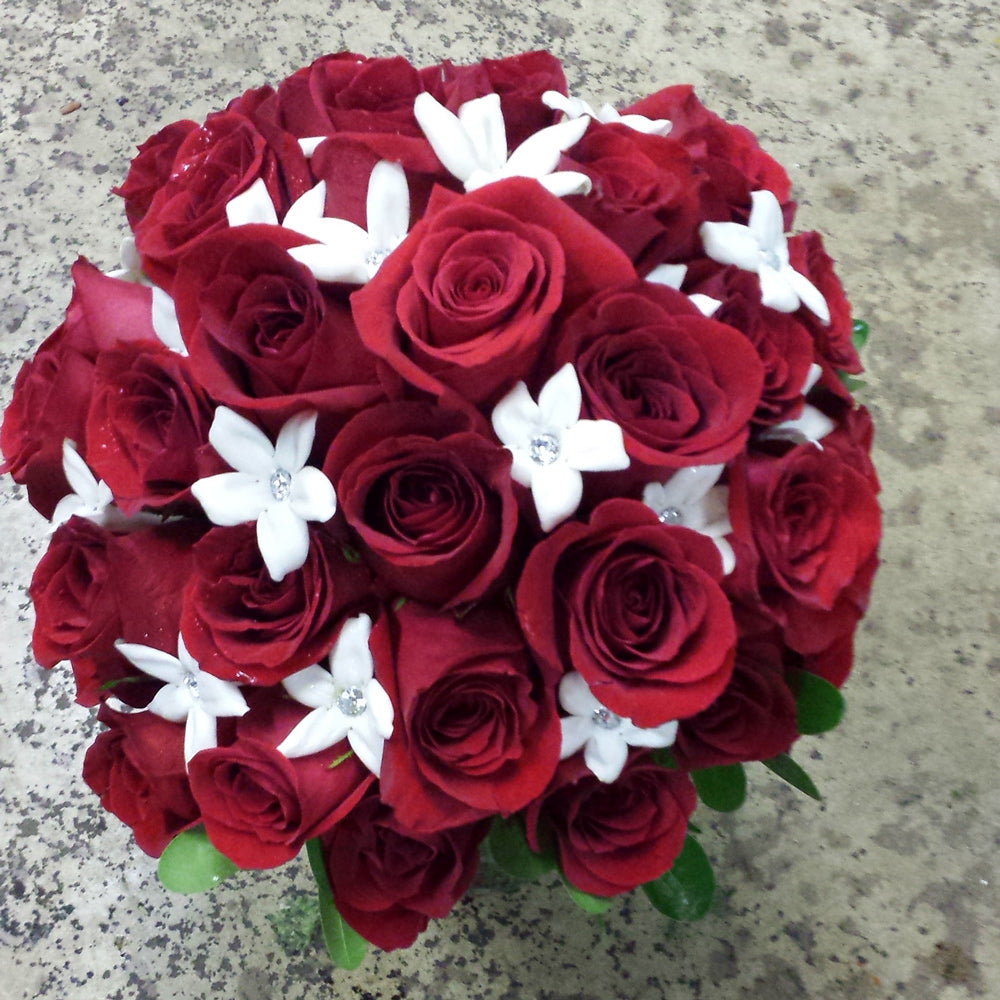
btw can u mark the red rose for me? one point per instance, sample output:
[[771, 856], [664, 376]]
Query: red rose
[[430, 498], [389, 882], [783, 343], [242, 625], [476, 728], [258, 806], [682, 387], [729, 155], [815, 526], [137, 768], [753, 719], [53, 389], [92, 587], [636, 607], [262, 334], [150, 169], [645, 193], [213, 164], [147, 428], [834, 343], [463, 307], [613, 837]]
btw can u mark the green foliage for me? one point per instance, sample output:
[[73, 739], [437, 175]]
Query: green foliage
[[819, 704], [786, 768], [687, 890], [191, 864], [587, 902], [722, 788], [346, 946], [509, 850]]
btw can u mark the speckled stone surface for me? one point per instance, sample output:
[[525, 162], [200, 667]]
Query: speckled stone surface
[[885, 115]]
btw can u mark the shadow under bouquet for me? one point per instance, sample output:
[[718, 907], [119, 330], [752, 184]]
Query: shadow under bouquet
[[451, 473]]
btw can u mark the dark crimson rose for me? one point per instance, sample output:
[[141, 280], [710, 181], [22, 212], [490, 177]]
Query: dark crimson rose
[[645, 193], [259, 807], [682, 387], [213, 164], [53, 389], [136, 766], [476, 728], [783, 343], [151, 168], [728, 154], [636, 607], [613, 837], [242, 625], [753, 719], [834, 343], [430, 498], [389, 882], [262, 334], [92, 587], [147, 428], [463, 307], [815, 524], [519, 80]]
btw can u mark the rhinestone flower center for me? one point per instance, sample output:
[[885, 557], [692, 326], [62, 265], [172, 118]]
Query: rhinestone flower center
[[771, 259], [544, 449], [351, 701], [191, 685], [281, 484], [374, 260], [605, 719], [670, 515]]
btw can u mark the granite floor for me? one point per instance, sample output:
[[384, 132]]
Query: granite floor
[[885, 115]]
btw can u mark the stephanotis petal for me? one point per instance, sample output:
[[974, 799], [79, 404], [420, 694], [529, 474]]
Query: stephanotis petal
[[334, 264], [220, 698], [727, 553], [312, 497], [705, 304], [595, 446], [560, 399], [306, 209], [252, 205], [766, 223], [671, 275], [310, 144], [573, 107], [165, 324], [812, 298], [380, 709], [557, 491], [516, 416], [367, 744], [200, 732], [730, 243], [388, 206], [482, 120], [163, 666], [576, 730], [283, 539], [450, 142], [241, 444], [775, 291], [811, 425], [295, 441], [313, 687], [539, 153], [232, 498], [319, 730], [351, 660], [566, 182], [658, 736], [81, 480], [575, 695], [171, 703], [605, 755]]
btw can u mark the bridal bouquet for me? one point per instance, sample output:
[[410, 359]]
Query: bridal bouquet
[[452, 474]]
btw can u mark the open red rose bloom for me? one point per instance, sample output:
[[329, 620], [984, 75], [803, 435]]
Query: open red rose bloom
[[450, 472]]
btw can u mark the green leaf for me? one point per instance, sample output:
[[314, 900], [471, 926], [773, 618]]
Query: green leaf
[[346, 946], [587, 902], [508, 846], [351, 554], [786, 768], [722, 788], [687, 890], [665, 758], [859, 333], [191, 864], [819, 704]]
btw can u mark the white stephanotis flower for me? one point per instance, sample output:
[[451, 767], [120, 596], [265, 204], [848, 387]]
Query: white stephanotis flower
[[472, 145], [761, 246], [189, 694], [691, 499], [344, 251], [811, 424], [573, 107], [672, 275], [345, 701], [603, 736], [272, 485], [90, 499], [551, 445]]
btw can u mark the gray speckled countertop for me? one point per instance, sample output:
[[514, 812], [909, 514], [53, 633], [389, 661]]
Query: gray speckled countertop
[[885, 116]]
